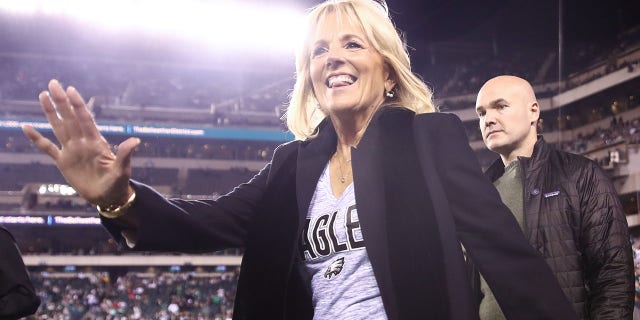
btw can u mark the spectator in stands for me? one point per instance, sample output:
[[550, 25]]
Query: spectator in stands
[[564, 203], [17, 295], [309, 253]]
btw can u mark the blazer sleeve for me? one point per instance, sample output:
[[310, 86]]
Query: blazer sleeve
[[520, 279], [606, 247], [154, 223], [17, 294]]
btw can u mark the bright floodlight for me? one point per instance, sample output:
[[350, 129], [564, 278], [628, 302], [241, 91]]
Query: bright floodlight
[[220, 23]]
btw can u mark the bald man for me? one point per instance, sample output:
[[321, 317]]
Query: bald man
[[565, 204]]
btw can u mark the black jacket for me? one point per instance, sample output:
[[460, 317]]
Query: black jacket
[[419, 192], [574, 219], [17, 295]]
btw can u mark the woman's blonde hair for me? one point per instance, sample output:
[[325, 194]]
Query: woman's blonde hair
[[303, 114]]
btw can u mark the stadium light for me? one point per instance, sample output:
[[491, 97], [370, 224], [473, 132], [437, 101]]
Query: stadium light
[[223, 24]]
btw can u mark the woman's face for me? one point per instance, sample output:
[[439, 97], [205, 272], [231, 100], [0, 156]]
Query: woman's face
[[347, 72]]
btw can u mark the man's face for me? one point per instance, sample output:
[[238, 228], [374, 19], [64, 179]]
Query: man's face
[[506, 119]]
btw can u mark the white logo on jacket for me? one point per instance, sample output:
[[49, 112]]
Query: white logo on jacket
[[552, 194]]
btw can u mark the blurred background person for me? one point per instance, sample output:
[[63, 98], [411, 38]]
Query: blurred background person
[[17, 294]]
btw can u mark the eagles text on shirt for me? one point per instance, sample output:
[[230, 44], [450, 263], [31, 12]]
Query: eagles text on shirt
[[320, 236]]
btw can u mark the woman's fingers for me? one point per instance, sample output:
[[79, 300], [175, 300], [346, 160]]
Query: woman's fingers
[[52, 116], [85, 119], [44, 144], [125, 150], [63, 106], [48, 108]]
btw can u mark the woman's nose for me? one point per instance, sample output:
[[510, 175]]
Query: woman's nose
[[335, 57]]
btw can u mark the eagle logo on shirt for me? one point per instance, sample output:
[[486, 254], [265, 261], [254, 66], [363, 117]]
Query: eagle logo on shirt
[[334, 268]]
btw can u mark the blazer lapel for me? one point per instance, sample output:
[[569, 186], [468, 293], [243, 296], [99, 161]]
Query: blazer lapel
[[396, 214], [371, 194], [313, 155]]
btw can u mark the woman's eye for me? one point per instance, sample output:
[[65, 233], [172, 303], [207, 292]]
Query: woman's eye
[[318, 51], [352, 45]]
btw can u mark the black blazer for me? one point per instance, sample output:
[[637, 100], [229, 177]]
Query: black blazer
[[419, 191]]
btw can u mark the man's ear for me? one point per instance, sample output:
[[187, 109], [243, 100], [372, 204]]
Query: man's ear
[[534, 112]]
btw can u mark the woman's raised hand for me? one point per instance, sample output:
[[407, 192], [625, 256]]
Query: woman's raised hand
[[84, 156]]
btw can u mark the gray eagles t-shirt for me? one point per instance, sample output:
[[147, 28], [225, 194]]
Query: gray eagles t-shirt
[[335, 259]]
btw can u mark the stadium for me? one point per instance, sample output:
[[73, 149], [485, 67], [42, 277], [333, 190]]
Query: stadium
[[208, 109]]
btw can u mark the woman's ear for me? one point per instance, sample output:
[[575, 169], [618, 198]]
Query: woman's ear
[[390, 78], [389, 84]]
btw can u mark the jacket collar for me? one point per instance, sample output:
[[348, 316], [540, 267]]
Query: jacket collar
[[314, 153], [539, 156]]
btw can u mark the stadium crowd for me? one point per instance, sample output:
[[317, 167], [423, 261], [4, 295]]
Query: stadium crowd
[[94, 295]]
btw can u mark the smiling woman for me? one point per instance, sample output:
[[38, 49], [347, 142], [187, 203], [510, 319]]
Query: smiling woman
[[361, 217], [364, 36], [347, 73]]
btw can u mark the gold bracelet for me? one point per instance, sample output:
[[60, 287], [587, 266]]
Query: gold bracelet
[[113, 212]]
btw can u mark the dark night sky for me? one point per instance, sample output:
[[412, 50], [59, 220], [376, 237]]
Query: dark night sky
[[427, 22], [453, 29]]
